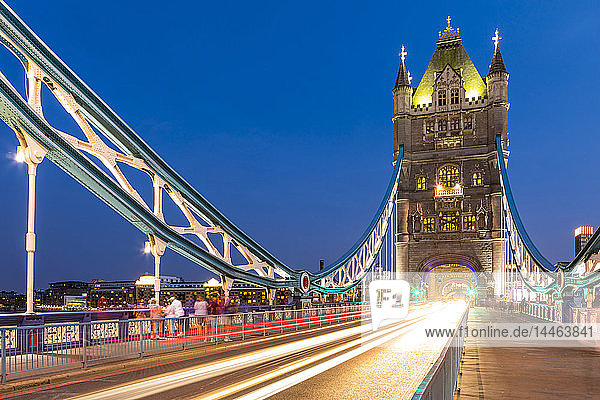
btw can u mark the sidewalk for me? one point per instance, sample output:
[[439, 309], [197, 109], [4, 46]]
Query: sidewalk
[[527, 373]]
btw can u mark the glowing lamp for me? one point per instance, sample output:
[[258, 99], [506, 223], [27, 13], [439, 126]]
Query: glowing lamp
[[147, 247], [20, 157]]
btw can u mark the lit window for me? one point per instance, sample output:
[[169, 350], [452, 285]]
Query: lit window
[[469, 222], [449, 221], [442, 124], [454, 96], [429, 224], [421, 183], [448, 176], [477, 178], [430, 126], [468, 122], [442, 98], [455, 124]]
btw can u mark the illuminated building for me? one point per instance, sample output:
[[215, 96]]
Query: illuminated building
[[118, 294], [582, 236], [449, 198], [245, 293], [12, 301], [56, 292]]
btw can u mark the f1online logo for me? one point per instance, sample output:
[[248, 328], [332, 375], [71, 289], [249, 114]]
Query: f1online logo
[[389, 301]]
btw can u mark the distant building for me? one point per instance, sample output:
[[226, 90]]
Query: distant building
[[116, 293], [12, 301], [247, 293], [56, 292], [582, 236]]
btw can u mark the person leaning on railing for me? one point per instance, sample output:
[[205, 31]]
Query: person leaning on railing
[[200, 313], [175, 312], [156, 313]]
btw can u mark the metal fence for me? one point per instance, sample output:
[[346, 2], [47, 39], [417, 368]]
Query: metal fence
[[440, 381], [30, 349]]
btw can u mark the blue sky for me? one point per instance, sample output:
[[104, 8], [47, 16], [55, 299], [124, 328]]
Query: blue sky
[[280, 114]]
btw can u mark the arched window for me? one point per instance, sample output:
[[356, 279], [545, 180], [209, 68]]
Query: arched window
[[443, 124], [429, 224], [468, 122], [477, 178], [421, 183], [442, 98], [449, 175], [449, 221], [468, 222], [430, 126], [454, 96]]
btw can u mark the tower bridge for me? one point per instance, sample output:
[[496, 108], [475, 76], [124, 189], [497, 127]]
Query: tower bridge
[[447, 215], [448, 201]]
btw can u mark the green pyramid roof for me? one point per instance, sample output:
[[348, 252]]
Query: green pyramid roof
[[450, 51]]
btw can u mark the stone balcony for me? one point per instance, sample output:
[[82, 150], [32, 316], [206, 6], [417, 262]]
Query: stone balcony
[[455, 191]]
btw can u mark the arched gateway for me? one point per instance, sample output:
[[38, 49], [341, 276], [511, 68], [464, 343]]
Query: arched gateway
[[449, 197], [451, 275]]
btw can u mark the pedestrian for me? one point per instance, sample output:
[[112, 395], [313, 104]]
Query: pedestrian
[[200, 312], [140, 312], [201, 306], [156, 312], [213, 312], [174, 312], [225, 319]]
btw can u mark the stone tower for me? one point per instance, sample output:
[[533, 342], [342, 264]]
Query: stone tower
[[449, 198]]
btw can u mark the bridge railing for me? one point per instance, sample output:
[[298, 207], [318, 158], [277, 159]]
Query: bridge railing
[[441, 379], [27, 350]]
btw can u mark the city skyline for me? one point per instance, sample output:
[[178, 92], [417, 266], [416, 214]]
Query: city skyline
[[328, 202]]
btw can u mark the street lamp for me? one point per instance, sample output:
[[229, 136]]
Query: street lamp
[[32, 153], [20, 156]]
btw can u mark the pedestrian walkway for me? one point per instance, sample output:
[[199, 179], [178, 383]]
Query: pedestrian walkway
[[526, 372]]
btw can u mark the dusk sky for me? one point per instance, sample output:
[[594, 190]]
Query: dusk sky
[[279, 113]]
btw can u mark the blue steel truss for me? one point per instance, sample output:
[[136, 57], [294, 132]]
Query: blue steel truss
[[22, 116], [521, 247]]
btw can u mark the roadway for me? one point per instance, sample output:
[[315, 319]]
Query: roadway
[[343, 361]]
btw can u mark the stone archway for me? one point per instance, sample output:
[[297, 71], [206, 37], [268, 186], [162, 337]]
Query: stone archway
[[450, 274]]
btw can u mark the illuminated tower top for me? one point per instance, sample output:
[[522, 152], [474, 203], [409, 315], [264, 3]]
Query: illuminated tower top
[[403, 78], [449, 51], [497, 64]]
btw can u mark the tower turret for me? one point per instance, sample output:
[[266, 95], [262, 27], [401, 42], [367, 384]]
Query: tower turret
[[497, 78], [402, 89]]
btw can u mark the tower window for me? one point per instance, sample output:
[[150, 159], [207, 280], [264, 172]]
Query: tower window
[[449, 175], [442, 98], [468, 122], [421, 183], [455, 124], [449, 221], [477, 178], [468, 222], [454, 96], [443, 124], [429, 224], [430, 126]]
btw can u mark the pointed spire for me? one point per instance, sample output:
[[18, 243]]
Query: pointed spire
[[497, 64], [403, 78]]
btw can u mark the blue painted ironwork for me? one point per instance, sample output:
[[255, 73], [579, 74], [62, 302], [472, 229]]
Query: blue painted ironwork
[[20, 116]]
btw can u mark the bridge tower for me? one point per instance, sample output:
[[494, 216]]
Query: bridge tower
[[449, 198]]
